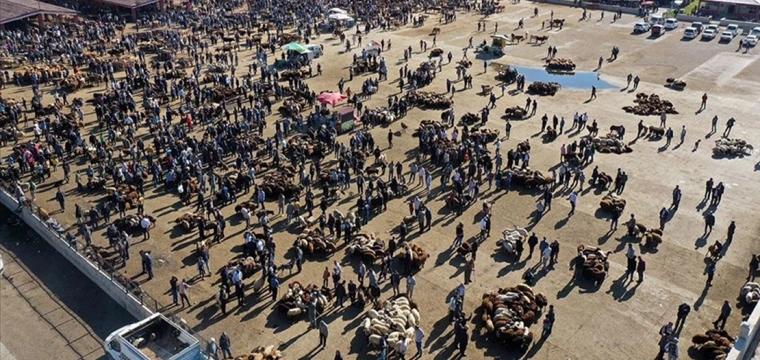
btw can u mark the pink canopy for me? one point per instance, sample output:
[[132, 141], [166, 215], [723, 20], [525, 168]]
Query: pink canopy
[[331, 98]]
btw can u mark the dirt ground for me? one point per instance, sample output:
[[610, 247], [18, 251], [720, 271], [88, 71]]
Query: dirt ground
[[619, 320], [48, 308]]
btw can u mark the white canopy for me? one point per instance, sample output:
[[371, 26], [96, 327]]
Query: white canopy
[[340, 17], [338, 11]]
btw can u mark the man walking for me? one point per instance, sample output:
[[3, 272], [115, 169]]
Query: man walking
[[710, 271], [725, 311], [418, 336], [323, 332], [225, 345], [640, 268], [704, 102], [683, 311], [410, 283]]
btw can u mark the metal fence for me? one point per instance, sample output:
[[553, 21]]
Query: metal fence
[[141, 296]]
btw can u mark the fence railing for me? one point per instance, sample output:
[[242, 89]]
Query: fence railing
[[78, 247]]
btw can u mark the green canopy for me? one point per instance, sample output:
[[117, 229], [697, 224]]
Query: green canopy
[[294, 47]]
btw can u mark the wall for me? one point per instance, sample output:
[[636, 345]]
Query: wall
[[89, 269], [605, 7], [747, 341]]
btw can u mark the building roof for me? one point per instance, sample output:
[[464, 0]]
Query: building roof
[[735, 2], [128, 3], [12, 10]]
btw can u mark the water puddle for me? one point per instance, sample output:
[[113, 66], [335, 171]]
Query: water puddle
[[582, 80]]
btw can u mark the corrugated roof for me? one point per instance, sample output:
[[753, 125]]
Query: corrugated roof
[[12, 10], [128, 3]]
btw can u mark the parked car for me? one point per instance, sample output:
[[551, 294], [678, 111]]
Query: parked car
[[733, 29], [671, 23], [726, 36], [690, 33], [755, 31], [315, 49], [751, 40], [709, 34], [657, 30], [697, 25], [656, 19], [714, 27], [641, 27]]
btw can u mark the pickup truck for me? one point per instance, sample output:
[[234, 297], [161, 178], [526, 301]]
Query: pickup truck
[[155, 338]]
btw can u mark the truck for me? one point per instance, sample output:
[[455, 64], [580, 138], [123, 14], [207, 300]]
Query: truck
[[155, 338]]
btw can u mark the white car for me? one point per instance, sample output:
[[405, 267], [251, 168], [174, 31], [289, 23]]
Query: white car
[[714, 27], [751, 40], [315, 49], [726, 36], [641, 28], [690, 33], [671, 23], [755, 31], [709, 34], [733, 29]]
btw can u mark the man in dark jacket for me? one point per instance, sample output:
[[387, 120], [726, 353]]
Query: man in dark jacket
[[725, 311], [683, 311]]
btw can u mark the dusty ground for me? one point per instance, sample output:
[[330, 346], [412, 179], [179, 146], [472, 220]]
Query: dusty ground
[[620, 319], [48, 308]]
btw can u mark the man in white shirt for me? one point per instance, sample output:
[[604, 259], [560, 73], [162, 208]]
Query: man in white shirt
[[545, 256], [410, 282], [247, 216], [418, 336]]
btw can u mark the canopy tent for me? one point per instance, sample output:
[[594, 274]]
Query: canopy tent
[[295, 47], [338, 11], [501, 37], [340, 17], [331, 98]]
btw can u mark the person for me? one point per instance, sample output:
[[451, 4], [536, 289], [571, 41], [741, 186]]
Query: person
[[709, 223], [683, 311], [546, 255], [593, 92], [548, 322], [725, 312], [410, 283], [753, 266], [61, 199], [710, 271], [666, 331], [183, 289], [323, 332], [174, 289], [673, 350], [729, 125], [469, 267], [573, 198], [226, 345], [212, 349], [731, 231], [532, 242], [640, 268], [338, 355], [418, 336], [222, 299], [704, 102]]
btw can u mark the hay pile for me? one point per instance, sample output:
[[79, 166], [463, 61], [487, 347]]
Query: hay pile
[[650, 105], [509, 312], [313, 241], [367, 246], [262, 353], [394, 321], [429, 100], [543, 88], [611, 202], [595, 265], [295, 301], [732, 148], [713, 344]]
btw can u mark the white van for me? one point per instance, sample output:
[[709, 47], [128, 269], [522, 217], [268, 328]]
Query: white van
[[671, 23], [316, 51], [656, 19], [690, 33]]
